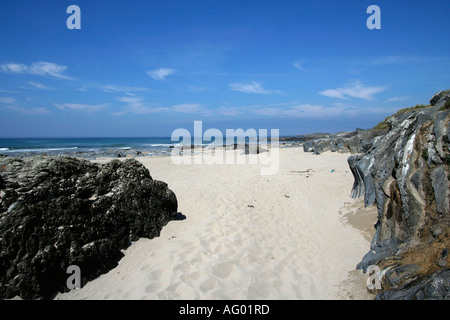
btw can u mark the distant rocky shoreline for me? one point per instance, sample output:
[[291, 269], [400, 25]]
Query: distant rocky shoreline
[[136, 153], [90, 155]]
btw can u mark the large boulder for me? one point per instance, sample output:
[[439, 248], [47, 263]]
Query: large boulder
[[440, 98], [61, 211]]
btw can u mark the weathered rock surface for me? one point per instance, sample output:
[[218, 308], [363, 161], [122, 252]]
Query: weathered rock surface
[[253, 149], [351, 141], [406, 174], [435, 286], [61, 211], [304, 137]]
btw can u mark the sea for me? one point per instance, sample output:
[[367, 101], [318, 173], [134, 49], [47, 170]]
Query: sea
[[51, 146], [93, 146]]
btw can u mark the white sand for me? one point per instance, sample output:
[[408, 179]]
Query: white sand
[[292, 244]]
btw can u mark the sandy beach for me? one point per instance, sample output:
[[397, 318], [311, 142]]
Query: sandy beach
[[243, 235]]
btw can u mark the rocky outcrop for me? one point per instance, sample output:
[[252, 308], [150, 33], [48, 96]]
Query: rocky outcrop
[[406, 174], [351, 141], [304, 137], [253, 149], [60, 211]]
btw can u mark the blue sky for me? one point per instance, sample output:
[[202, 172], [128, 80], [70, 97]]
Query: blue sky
[[145, 68]]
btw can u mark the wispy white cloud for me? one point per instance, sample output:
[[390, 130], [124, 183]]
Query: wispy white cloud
[[382, 110], [39, 85], [7, 100], [197, 88], [229, 111], [118, 88], [14, 68], [356, 90], [392, 59], [87, 108], [308, 109], [299, 65], [187, 108], [12, 104], [135, 105], [343, 105], [267, 111], [37, 68], [202, 111], [252, 87], [394, 99], [6, 91], [129, 99], [161, 73], [30, 111], [314, 111], [303, 111]]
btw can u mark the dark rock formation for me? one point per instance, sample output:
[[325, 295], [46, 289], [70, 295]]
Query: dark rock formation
[[406, 174], [406, 285], [253, 149], [440, 98], [353, 141], [60, 211], [303, 137]]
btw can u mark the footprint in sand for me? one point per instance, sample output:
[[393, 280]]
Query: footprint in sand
[[155, 274], [181, 267], [153, 287], [236, 241], [188, 249], [196, 261], [191, 277], [211, 245], [257, 291], [223, 270], [169, 292], [208, 285]]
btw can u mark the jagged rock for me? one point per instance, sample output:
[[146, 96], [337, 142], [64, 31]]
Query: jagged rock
[[406, 173], [358, 141], [253, 149], [401, 275], [434, 287], [443, 259], [304, 137], [361, 168], [61, 211], [440, 97]]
